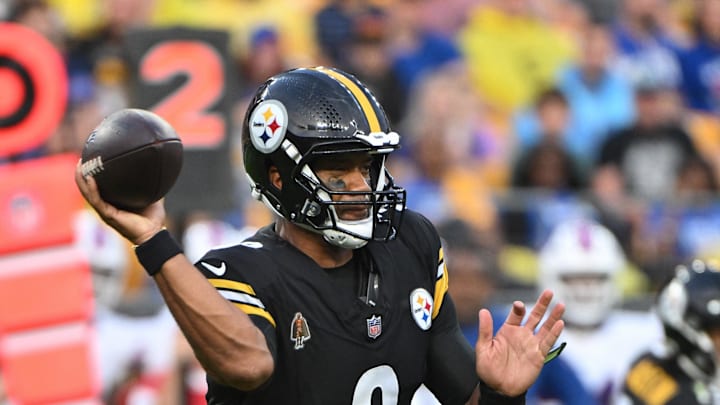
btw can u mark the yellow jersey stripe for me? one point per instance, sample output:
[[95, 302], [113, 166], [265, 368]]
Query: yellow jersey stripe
[[360, 96], [252, 310], [441, 284], [649, 382], [232, 285]]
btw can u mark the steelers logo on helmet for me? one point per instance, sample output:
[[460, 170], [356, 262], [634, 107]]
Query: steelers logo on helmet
[[268, 124]]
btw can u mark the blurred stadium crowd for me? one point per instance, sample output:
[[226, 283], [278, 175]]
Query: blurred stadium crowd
[[516, 116]]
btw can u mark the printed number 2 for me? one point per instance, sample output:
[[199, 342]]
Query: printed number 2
[[187, 108], [382, 378]]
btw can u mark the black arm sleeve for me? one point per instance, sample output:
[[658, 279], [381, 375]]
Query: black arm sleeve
[[451, 360], [489, 396], [451, 367]]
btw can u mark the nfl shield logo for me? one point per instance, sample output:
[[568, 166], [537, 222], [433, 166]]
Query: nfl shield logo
[[374, 326]]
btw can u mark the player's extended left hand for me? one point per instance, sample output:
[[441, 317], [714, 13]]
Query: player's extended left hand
[[511, 361]]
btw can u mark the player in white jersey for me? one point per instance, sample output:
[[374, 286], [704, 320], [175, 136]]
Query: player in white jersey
[[581, 261]]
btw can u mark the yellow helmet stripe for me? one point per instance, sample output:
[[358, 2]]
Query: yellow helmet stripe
[[360, 96]]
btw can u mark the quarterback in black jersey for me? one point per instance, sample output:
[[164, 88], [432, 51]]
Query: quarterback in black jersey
[[333, 303]]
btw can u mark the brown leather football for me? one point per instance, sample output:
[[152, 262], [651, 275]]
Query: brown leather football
[[135, 157]]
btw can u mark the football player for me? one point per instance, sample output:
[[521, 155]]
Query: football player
[[684, 370], [581, 262], [331, 303]]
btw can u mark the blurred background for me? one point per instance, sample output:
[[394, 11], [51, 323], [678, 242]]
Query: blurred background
[[591, 124]]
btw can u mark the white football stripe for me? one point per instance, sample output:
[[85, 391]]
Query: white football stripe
[[241, 298]]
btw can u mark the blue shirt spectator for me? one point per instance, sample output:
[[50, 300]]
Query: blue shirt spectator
[[700, 68], [598, 98], [432, 50]]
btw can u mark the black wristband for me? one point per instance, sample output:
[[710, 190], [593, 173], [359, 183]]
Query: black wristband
[[489, 396], [154, 252]]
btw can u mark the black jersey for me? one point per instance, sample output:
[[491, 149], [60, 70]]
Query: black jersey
[[336, 347], [655, 380]]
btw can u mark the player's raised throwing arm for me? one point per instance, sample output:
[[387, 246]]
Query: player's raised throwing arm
[[224, 339]]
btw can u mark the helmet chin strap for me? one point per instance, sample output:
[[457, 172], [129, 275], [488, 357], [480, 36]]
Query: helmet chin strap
[[342, 240], [343, 236]]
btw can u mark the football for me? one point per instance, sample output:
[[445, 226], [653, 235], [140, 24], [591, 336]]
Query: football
[[135, 156]]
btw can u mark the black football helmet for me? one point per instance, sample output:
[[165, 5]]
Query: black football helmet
[[688, 306], [304, 114]]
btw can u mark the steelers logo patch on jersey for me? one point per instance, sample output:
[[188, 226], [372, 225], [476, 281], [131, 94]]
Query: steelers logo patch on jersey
[[268, 124], [421, 306]]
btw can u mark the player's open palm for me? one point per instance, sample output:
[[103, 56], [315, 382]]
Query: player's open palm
[[510, 361]]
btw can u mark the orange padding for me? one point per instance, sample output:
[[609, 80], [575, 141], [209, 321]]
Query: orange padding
[[44, 287], [50, 365], [38, 201]]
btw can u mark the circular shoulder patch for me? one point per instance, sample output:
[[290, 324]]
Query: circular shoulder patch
[[421, 307], [268, 124]]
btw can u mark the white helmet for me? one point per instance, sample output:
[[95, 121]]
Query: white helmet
[[580, 262]]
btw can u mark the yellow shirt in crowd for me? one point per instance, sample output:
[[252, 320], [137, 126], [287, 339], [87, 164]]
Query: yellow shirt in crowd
[[510, 57], [292, 19]]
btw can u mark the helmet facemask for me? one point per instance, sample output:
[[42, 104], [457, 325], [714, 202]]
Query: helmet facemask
[[589, 297], [322, 210]]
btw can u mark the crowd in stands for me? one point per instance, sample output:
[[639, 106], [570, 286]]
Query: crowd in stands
[[515, 116]]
